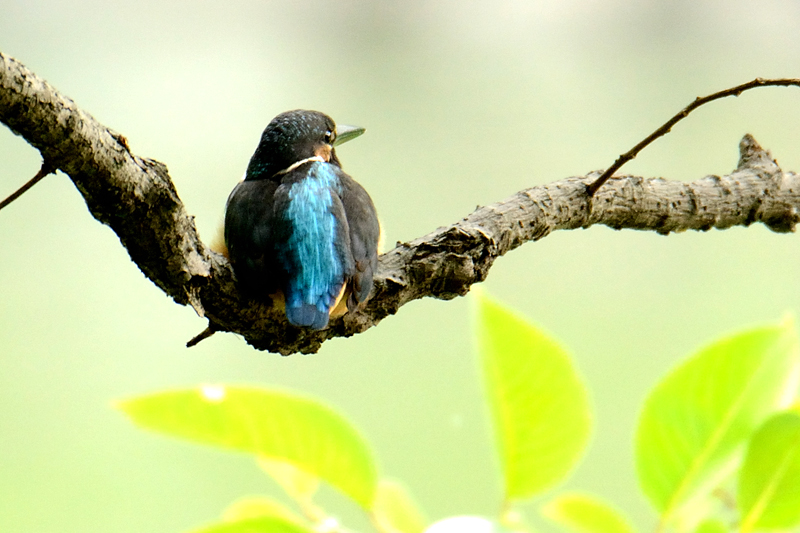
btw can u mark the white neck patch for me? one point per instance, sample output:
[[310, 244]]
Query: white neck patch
[[301, 162]]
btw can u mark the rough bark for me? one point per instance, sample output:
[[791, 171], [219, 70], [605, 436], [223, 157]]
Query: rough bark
[[137, 199]]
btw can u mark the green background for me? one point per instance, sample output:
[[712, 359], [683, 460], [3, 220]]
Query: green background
[[464, 104]]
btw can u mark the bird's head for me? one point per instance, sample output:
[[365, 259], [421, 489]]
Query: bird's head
[[295, 136]]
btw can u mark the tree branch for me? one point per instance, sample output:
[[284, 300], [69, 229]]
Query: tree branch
[[136, 198]]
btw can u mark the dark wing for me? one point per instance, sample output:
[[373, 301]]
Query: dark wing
[[362, 220], [252, 231]]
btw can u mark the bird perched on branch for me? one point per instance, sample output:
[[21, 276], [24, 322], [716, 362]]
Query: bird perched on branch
[[298, 226]]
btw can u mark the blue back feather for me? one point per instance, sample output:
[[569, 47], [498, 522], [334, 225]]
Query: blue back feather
[[316, 270]]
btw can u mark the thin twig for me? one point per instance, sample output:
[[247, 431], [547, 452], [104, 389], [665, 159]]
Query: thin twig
[[44, 171], [663, 130], [203, 335]]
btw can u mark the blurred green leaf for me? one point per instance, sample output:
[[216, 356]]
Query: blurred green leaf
[[769, 482], [695, 422], [583, 513], [262, 524], [538, 403], [297, 483], [712, 526], [467, 524], [277, 424], [395, 510], [257, 507]]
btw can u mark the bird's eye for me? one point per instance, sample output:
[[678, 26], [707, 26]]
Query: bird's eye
[[330, 136]]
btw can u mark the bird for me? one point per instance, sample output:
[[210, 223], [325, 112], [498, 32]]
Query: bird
[[298, 229]]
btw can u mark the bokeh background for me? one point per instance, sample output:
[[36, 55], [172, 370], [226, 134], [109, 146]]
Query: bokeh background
[[465, 103]]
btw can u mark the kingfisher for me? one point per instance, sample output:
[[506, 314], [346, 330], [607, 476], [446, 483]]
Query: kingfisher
[[297, 228]]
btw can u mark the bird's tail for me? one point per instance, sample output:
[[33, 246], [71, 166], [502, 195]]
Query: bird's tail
[[307, 316], [316, 316]]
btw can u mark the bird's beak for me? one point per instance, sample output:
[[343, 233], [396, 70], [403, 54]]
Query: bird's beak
[[345, 133]]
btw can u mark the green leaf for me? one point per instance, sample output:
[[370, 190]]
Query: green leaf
[[467, 524], [538, 402], [299, 430], [712, 526], [583, 513], [298, 484], [262, 524], [695, 422], [769, 482], [259, 506], [395, 510]]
